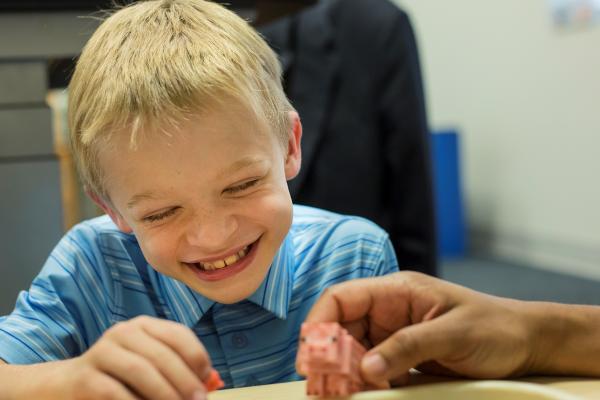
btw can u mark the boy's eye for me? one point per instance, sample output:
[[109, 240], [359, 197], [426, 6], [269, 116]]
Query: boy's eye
[[242, 187], [160, 216]]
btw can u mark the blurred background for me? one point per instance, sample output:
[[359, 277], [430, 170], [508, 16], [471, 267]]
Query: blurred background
[[486, 127]]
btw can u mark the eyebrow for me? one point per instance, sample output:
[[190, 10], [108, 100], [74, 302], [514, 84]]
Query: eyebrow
[[140, 197], [236, 166], [240, 164]]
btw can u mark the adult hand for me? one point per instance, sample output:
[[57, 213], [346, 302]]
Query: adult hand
[[410, 320]]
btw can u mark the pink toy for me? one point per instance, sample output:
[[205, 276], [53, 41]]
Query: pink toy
[[329, 357]]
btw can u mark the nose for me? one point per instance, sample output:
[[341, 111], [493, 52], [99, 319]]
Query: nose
[[317, 350], [212, 229]]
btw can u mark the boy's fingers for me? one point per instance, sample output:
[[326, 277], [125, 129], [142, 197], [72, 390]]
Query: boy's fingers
[[170, 364], [182, 341], [105, 387], [407, 348], [136, 372]]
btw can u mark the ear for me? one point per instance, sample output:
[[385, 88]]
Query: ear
[[293, 159], [108, 209]]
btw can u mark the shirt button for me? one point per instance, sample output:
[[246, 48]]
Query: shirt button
[[239, 340]]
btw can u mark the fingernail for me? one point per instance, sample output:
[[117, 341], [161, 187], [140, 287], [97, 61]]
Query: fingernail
[[199, 395], [374, 365]]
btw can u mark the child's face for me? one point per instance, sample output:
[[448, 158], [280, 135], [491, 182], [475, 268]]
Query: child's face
[[209, 203]]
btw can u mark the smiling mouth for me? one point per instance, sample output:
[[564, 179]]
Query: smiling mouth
[[220, 264]]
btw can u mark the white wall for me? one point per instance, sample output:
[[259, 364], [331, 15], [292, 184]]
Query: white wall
[[526, 99]]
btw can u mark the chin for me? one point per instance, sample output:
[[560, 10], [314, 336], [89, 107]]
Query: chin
[[230, 292], [229, 299], [230, 295]]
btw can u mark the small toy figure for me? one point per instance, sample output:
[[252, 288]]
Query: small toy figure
[[213, 382], [329, 357]]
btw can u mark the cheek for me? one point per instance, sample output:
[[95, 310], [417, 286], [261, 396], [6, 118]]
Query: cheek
[[275, 209], [158, 248]]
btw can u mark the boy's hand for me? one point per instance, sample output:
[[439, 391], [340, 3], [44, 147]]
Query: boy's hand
[[414, 320], [145, 358]]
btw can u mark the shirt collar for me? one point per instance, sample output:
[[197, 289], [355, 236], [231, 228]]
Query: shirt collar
[[273, 295], [275, 292]]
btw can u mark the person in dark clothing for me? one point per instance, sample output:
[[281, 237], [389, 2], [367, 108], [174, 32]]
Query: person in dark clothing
[[351, 69]]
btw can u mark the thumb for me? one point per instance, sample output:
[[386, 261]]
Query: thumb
[[407, 348]]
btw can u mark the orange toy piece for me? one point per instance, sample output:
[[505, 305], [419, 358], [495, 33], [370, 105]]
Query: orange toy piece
[[329, 357], [213, 382]]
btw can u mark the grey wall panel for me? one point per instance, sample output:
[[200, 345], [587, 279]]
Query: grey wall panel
[[25, 132], [31, 220], [44, 35], [23, 82]]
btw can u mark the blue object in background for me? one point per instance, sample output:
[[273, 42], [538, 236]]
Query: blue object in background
[[451, 234]]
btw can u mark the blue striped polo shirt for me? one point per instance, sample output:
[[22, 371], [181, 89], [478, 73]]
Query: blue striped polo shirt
[[97, 276]]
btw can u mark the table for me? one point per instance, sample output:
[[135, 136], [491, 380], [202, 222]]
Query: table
[[427, 387]]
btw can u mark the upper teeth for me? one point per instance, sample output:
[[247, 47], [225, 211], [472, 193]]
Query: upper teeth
[[227, 261]]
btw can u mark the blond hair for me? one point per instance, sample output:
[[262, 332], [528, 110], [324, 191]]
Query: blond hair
[[156, 62]]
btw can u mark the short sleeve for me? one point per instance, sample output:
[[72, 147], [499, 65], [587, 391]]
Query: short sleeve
[[372, 252], [388, 263], [66, 308]]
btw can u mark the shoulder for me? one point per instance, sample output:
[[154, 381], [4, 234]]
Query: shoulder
[[96, 243], [384, 11], [328, 229], [96, 232], [377, 30], [330, 248], [305, 216]]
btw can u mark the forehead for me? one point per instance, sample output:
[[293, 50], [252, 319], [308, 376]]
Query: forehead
[[227, 120], [207, 146], [226, 116]]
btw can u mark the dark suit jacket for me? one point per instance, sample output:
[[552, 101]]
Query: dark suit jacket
[[351, 69]]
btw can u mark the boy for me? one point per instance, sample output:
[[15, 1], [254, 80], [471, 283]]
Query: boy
[[184, 137]]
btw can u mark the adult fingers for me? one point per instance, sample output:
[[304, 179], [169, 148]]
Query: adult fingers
[[434, 368], [408, 347], [358, 329], [354, 299]]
